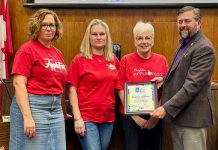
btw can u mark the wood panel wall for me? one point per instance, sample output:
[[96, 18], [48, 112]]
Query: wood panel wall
[[121, 23]]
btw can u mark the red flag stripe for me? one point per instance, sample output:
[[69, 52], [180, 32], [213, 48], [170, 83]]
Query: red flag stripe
[[8, 49]]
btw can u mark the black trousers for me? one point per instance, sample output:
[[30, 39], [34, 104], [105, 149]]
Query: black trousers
[[136, 138]]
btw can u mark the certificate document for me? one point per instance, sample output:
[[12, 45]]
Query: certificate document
[[140, 97]]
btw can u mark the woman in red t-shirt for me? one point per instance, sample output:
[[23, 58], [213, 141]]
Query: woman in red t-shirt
[[39, 75], [92, 77], [141, 131]]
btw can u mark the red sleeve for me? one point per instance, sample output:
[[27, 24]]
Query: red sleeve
[[22, 63], [116, 62], [73, 73], [121, 74], [166, 68]]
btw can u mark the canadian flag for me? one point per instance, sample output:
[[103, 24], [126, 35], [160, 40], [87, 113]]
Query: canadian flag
[[5, 43]]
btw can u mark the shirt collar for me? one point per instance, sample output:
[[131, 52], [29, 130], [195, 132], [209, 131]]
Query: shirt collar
[[186, 40]]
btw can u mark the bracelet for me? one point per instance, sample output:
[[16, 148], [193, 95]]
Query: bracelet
[[77, 119]]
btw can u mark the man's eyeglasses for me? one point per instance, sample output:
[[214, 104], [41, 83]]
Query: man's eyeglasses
[[44, 26]]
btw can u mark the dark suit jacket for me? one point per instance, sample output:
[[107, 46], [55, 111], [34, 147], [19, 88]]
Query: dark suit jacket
[[186, 94]]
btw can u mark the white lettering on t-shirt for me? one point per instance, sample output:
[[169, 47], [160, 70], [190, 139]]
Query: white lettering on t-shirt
[[111, 66], [55, 66], [143, 72]]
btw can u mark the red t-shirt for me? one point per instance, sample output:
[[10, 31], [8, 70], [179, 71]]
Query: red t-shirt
[[44, 67], [134, 68], [95, 80]]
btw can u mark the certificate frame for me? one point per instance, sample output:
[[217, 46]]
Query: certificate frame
[[140, 98]]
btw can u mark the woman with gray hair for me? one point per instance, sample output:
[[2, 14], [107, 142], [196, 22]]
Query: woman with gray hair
[[141, 131], [92, 78]]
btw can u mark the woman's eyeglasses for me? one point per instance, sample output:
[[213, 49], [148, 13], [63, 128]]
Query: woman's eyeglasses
[[44, 26]]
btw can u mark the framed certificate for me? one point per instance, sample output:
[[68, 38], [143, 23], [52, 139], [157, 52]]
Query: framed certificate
[[140, 98]]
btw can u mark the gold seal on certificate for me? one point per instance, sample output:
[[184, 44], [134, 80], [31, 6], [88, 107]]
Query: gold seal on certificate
[[140, 98]]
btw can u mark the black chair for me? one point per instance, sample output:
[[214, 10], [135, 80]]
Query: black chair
[[117, 50]]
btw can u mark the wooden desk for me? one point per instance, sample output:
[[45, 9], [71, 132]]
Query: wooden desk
[[7, 95], [212, 138], [117, 136], [4, 135]]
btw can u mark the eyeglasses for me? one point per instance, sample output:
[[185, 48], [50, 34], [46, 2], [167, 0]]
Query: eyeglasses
[[141, 38], [44, 26]]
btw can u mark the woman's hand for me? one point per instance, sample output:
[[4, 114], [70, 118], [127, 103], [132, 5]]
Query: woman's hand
[[67, 116], [142, 123], [152, 122], [158, 80], [19, 83], [79, 127], [29, 127]]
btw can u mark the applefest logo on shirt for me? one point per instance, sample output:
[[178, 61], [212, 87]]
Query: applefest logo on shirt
[[54, 65], [111, 66], [144, 72]]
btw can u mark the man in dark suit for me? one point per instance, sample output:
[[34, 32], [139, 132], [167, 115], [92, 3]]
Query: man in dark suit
[[186, 98]]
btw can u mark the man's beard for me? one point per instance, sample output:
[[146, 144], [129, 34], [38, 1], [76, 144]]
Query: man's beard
[[185, 33]]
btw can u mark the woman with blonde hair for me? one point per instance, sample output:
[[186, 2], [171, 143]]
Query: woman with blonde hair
[[92, 78]]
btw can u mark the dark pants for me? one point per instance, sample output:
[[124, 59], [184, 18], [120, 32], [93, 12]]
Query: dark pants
[[136, 138]]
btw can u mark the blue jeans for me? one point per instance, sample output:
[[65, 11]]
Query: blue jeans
[[50, 128], [97, 136]]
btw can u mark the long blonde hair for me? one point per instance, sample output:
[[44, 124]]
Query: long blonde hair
[[85, 47]]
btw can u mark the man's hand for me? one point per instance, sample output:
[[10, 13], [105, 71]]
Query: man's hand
[[159, 113]]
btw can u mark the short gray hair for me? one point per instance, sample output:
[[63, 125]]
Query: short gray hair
[[141, 27], [196, 11]]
